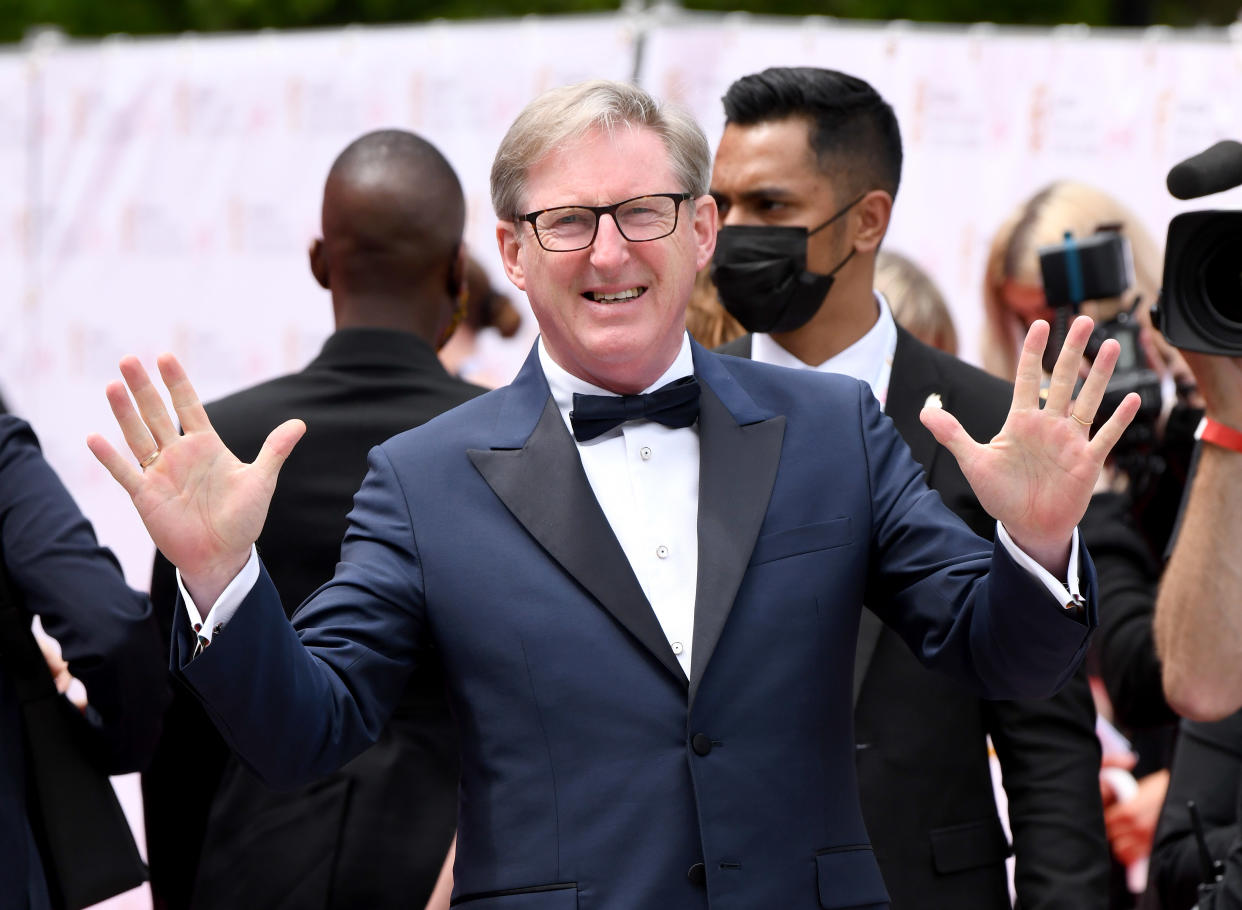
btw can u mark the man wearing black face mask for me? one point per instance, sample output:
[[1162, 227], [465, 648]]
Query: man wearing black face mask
[[805, 177]]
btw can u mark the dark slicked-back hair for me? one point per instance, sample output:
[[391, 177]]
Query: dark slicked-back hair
[[854, 131]]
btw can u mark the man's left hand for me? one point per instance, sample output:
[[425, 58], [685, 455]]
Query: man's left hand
[[1037, 474]]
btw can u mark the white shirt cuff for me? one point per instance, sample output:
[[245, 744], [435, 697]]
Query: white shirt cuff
[[1066, 592], [225, 606]]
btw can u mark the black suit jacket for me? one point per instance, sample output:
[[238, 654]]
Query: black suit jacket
[[921, 739], [106, 631], [375, 833], [1206, 770]]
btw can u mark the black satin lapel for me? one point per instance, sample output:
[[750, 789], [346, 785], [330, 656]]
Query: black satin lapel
[[914, 377], [569, 524], [869, 628], [737, 467]]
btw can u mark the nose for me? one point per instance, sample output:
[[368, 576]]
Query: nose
[[610, 249]]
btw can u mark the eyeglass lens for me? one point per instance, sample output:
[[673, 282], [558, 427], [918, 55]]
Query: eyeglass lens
[[572, 227]]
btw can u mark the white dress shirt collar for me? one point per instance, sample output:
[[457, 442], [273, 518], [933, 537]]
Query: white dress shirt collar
[[565, 385]]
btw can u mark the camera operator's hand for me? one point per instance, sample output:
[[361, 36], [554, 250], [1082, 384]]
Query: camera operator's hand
[[1219, 380]]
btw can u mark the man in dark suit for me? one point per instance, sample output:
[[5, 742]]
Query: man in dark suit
[[375, 833], [651, 685], [106, 632], [799, 145]]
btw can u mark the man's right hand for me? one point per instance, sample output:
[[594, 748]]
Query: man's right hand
[[202, 506]]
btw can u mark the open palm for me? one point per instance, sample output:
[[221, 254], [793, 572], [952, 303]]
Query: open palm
[[202, 506], [1037, 474]]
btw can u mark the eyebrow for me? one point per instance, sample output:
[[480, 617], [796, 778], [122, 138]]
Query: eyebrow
[[763, 192]]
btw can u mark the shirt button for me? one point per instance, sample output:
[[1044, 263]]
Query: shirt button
[[662, 552], [678, 647], [645, 453]]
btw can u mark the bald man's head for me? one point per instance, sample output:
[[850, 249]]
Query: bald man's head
[[393, 215]]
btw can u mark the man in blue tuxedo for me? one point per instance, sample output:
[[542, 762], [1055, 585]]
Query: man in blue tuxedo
[[645, 605]]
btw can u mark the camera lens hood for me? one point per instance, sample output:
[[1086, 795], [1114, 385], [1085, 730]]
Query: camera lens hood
[[1201, 303]]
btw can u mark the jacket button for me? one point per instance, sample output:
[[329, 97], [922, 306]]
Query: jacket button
[[697, 874], [702, 744]]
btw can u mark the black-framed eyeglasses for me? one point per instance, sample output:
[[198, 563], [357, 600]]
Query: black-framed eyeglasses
[[573, 227]]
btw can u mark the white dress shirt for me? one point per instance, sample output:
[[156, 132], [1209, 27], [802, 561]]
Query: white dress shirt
[[646, 478]]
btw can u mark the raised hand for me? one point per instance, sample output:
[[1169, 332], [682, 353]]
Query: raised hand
[[1037, 474], [202, 506]]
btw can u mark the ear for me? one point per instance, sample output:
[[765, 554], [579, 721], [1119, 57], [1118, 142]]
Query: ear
[[459, 293], [511, 252], [871, 217], [706, 224], [319, 264], [457, 275]]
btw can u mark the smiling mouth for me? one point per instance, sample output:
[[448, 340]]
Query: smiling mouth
[[628, 294]]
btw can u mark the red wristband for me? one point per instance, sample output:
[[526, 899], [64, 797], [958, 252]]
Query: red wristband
[[1219, 434]]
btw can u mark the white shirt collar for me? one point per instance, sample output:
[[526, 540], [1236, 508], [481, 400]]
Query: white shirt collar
[[565, 385], [870, 358]]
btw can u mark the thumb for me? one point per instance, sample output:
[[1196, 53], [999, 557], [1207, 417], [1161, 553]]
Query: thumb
[[278, 445], [948, 432]]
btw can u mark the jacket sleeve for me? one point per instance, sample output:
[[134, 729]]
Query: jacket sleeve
[[962, 605], [106, 630], [296, 701], [1050, 762]]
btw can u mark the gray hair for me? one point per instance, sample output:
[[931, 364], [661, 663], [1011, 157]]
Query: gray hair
[[562, 115]]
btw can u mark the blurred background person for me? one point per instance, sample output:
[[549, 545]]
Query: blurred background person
[[484, 308], [107, 635], [375, 833], [1152, 461], [707, 321], [916, 301], [1131, 516], [1013, 288]]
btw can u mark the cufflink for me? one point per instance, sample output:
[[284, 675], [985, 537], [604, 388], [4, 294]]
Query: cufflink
[[933, 401], [202, 642]]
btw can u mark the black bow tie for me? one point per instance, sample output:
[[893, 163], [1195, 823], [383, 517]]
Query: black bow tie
[[674, 405]]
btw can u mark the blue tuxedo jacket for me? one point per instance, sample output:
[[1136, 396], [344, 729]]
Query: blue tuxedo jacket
[[594, 773]]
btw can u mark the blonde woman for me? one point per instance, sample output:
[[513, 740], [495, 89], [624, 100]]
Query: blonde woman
[[916, 301], [1013, 292]]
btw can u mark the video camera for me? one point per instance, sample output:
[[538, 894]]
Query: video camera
[[1200, 307], [1100, 267]]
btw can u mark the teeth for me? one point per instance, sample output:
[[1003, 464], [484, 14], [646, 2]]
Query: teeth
[[620, 295]]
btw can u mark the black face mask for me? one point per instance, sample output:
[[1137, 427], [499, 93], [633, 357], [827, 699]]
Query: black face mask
[[761, 277]]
